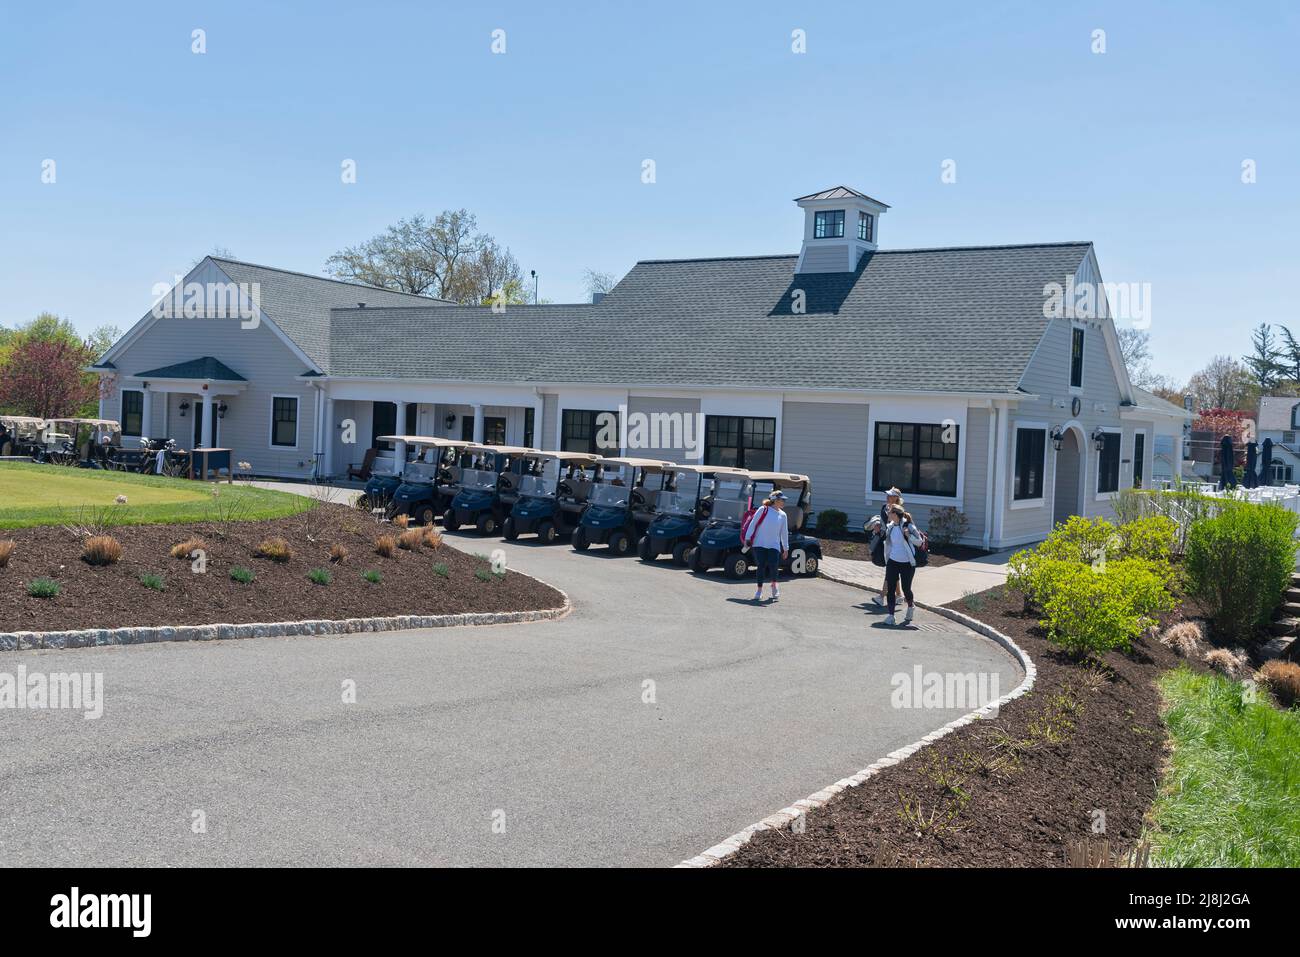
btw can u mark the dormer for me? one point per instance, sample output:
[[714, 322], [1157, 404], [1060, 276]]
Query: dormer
[[840, 225]]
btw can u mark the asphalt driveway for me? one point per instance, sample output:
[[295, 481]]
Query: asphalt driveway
[[663, 715]]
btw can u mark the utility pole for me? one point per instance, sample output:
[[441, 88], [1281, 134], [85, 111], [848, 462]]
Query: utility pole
[[533, 273]]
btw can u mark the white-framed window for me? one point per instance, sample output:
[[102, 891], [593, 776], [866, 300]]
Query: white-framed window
[[1288, 438], [132, 412], [1028, 478], [1078, 341], [866, 227], [284, 421], [1108, 459]]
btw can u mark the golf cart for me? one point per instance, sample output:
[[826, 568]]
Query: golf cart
[[719, 542], [427, 483], [73, 441], [20, 435], [489, 486], [551, 502], [386, 473], [622, 503], [683, 509]]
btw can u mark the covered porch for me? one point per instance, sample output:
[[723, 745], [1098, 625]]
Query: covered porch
[[194, 398]]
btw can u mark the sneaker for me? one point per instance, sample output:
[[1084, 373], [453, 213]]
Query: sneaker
[[758, 595], [776, 593], [907, 618], [877, 601], [889, 620]]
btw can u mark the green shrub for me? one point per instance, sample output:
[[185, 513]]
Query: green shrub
[[483, 575], [372, 576], [241, 574], [152, 581], [1079, 539], [1239, 564], [42, 588], [441, 570], [1151, 538], [320, 576], [1090, 611], [947, 525], [831, 521]]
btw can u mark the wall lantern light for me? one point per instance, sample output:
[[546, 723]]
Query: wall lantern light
[[450, 420], [1098, 439], [184, 407], [1058, 438], [221, 410]]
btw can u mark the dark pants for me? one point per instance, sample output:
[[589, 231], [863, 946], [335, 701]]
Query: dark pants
[[769, 565], [894, 573]]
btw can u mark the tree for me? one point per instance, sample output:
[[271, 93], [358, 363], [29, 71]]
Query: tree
[[1135, 349], [46, 377], [1264, 362], [1290, 349], [1167, 387], [101, 338], [494, 269], [1224, 384], [598, 282]]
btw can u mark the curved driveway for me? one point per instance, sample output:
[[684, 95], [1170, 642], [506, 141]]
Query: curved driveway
[[508, 745]]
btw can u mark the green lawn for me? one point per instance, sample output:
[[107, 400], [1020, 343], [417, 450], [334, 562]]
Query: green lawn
[[33, 494], [1231, 797]]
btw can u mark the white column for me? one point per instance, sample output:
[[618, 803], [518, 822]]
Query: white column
[[205, 434], [539, 440], [478, 424], [400, 425], [328, 440], [146, 413]]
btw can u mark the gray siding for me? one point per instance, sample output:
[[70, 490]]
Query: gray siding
[[975, 449], [669, 442], [828, 443]]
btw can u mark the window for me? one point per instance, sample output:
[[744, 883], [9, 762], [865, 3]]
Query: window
[[284, 420], [1288, 438], [740, 441], [866, 227], [1031, 444], [828, 224], [1108, 464], [529, 413], [586, 430], [383, 421], [1139, 456], [1281, 472], [915, 458], [132, 412], [467, 428], [494, 430], [412, 418], [1076, 358]]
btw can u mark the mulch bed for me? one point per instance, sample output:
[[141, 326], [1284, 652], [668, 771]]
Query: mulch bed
[[113, 597], [1090, 739], [856, 546]]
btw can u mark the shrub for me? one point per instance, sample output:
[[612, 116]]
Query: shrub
[[1089, 611], [1080, 539], [441, 570], [386, 546], [410, 539], [338, 554], [372, 576], [1151, 538], [1239, 564], [274, 548], [42, 588], [101, 550], [1185, 638], [832, 521], [947, 526], [7, 547], [1283, 679], [1230, 662], [483, 575], [241, 574], [320, 576], [188, 547], [152, 581], [432, 538], [402, 520]]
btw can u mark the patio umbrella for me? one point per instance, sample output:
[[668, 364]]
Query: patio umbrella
[[1226, 477], [1249, 478], [1266, 460]]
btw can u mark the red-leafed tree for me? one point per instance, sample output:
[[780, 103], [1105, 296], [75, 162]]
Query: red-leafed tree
[[47, 378], [1221, 422]]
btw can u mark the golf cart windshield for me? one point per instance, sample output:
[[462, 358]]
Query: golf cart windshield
[[478, 478], [682, 501], [609, 495], [730, 499]]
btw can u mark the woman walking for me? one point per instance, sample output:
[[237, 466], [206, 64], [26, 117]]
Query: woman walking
[[901, 539], [892, 497], [769, 536]]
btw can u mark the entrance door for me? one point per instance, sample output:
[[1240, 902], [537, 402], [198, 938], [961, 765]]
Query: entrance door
[[1069, 474]]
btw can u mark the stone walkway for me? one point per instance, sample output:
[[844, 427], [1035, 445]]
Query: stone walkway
[[933, 585]]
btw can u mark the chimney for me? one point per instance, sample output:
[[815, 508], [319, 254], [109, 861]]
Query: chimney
[[361, 305], [841, 225], [597, 297]]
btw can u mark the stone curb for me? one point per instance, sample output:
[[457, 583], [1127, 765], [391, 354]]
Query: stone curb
[[781, 819], [98, 637]]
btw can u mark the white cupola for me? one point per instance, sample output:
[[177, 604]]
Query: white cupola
[[840, 225]]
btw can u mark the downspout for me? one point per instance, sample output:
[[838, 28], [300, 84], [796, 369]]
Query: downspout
[[991, 481], [319, 430], [1000, 480]]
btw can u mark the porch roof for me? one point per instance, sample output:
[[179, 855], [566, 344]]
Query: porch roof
[[203, 369]]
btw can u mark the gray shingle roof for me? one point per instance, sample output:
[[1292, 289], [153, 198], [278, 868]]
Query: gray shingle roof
[[1275, 413], [841, 192], [918, 320], [204, 368], [300, 304], [1149, 400]]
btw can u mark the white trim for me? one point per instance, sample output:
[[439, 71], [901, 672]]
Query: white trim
[[297, 422], [1119, 482], [932, 412], [1041, 500], [121, 410]]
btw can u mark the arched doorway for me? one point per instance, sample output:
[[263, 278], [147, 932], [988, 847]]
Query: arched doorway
[[1067, 499]]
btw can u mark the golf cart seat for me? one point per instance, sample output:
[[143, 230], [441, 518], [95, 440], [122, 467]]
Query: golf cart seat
[[362, 471], [793, 516]]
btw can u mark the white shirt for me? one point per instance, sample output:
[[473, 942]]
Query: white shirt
[[900, 548], [774, 532]]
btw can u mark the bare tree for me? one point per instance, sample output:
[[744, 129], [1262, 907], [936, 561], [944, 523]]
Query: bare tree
[[598, 282], [1223, 384], [1135, 348]]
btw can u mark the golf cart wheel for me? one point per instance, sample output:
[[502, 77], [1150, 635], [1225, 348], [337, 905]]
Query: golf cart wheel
[[580, 540], [643, 549], [546, 532], [449, 520], [810, 565], [509, 530], [424, 515], [619, 543], [681, 551], [486, 524], [693, 561], [735, 565]]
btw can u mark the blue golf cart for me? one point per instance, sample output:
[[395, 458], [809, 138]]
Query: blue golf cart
[[431, 477], [387, 471], [683, 509], [622, 503], [551, 502], [489, 486], [719, 543]]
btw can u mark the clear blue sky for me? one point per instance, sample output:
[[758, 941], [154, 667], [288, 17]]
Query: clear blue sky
[[163, 154]]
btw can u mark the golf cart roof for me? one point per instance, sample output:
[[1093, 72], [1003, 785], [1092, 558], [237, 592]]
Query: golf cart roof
[[418, 440], [502, 449], [23, 420], [789, 478], [584, 457], [723, 471], [73, 420], [662, 464]]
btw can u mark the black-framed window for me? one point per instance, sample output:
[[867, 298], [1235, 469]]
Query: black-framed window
[[1139, 457], [284, 420], [467, 428], [494, 430], [740, 441], [132, 412], [915, 457], [828, 224], [866, 227], [412, 419], [529, 418], [1108, 463], [383, 421], [580, 431], [1031, 445], [1076, 358]]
